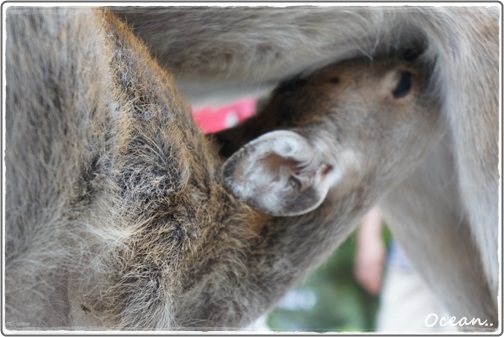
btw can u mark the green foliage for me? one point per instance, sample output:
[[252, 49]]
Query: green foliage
[[341, 304]]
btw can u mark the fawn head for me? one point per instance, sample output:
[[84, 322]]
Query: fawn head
[[345, 126]]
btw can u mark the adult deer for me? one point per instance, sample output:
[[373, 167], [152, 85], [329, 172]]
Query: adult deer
[[220, 51], [116, 212]]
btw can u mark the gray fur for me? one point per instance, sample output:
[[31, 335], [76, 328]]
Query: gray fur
[[461, 41], [116, 216]]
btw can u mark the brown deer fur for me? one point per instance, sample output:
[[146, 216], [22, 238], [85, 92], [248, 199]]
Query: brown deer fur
[[117, 215]]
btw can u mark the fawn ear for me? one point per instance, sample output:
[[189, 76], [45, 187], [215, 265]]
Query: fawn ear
[[279, 173]]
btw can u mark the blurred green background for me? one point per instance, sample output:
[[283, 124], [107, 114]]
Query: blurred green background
[[329, 300]]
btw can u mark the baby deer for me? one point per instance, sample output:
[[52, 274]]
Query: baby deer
[[351, 133], [121, 215], [352, 126]]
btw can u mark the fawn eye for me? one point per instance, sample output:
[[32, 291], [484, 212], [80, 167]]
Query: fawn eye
[[404, 85]]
